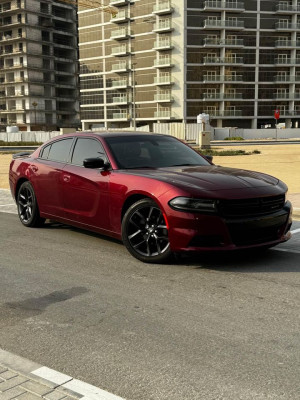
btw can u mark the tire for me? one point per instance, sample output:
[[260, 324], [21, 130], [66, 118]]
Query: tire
[[28, 209], [145, 233]]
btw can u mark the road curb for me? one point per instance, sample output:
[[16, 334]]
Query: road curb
[[22, 377]]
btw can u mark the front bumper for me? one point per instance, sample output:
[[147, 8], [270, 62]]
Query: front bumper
[[200, 233]]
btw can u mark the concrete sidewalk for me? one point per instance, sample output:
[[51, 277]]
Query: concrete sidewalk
[[22, 379]]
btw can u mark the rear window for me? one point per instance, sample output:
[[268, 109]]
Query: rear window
[[58, 151]]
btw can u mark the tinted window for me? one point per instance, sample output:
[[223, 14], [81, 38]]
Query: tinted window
[[87, 148], [60, 150], [45, 151], [152, 151]]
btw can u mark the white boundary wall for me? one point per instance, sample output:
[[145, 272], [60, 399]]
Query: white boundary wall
[[39, 136], [189, 132]]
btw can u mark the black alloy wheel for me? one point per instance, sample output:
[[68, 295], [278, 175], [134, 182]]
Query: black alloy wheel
[[145, 233], [28, 209]]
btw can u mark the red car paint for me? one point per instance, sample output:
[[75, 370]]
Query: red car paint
[[96, 199]]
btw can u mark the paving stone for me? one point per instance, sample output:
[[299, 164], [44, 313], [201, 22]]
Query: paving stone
[[70, 398], [55, 396], [2, 369], [28, 396], [18, 380], [36, 388], [8, 375], [11, 393]]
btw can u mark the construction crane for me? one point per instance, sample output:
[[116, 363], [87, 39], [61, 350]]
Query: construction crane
[[93, 4]]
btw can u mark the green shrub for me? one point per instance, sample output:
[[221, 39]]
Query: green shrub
[[210, 152], [234, 138], [3, 143]]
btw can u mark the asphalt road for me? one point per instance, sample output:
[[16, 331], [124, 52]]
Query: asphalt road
[[204, 328]]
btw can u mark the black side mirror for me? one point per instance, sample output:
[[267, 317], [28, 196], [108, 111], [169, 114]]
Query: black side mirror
[[94, 163], [209, 158]]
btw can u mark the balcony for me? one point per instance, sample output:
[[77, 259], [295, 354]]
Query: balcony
[[284, 78], [213, 5], [163, 44], [121, 99], [219, 24], [231, 113], [285, 8], [122, 16], [163, 80], [222, 96], [226, 60], [164, 114], [120, 67], [119, 84], [287, 61], [282, 96], [122, 115], [118, 2], [212, 42], [287, 44], [163, 26], [120, 50], [163, 7], [283, 26], [119, 34], [163, 97], [233, 96], [163, 62]]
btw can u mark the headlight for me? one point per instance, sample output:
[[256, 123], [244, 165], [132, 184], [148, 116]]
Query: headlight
[[190, 204]]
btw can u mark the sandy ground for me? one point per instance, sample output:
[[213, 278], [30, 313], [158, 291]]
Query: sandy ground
[[282, 161], [4, 166]]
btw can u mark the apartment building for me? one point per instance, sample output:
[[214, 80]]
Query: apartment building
[[38, 65], [161, 60]]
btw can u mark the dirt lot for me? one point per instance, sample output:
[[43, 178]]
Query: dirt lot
[[282, 161]]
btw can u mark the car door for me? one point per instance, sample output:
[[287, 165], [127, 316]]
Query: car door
[[85, 190], [47, 176]]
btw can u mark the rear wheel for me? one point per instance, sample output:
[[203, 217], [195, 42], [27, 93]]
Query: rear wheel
[[28, 209], [145, 232]]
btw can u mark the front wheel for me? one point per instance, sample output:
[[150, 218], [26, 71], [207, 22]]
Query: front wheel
[[28, 209], [145, 232]]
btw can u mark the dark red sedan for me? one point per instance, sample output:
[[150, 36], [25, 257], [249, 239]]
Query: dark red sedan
[[152, 191]]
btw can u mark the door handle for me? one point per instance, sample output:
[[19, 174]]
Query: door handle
[[66, 178]]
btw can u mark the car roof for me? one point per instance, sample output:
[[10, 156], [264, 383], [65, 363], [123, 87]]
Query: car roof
[[119, 133]]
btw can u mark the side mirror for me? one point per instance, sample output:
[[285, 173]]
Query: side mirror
[[94, 163], [209, 158]]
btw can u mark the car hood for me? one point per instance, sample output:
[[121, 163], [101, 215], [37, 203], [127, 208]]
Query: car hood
[[209, 178]]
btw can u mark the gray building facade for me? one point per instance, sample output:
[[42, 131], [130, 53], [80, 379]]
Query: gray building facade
[[38, 65]]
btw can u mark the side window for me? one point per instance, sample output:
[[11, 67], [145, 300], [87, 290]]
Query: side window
[[45, 152], [87, 148], [60, 150]]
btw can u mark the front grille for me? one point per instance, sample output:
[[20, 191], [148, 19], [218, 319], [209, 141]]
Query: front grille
[[251, 207], [263, 230]]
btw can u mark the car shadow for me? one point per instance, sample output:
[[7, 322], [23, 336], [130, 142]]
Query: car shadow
[[58, 225], [267, 261], [249, 261]]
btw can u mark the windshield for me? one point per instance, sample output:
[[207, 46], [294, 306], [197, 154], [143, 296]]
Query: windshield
[[141, 151]]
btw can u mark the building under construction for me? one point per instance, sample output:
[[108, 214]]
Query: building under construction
[[161, 60], [38, 65]]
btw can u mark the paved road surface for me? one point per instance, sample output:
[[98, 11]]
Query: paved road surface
[[220, 328]]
